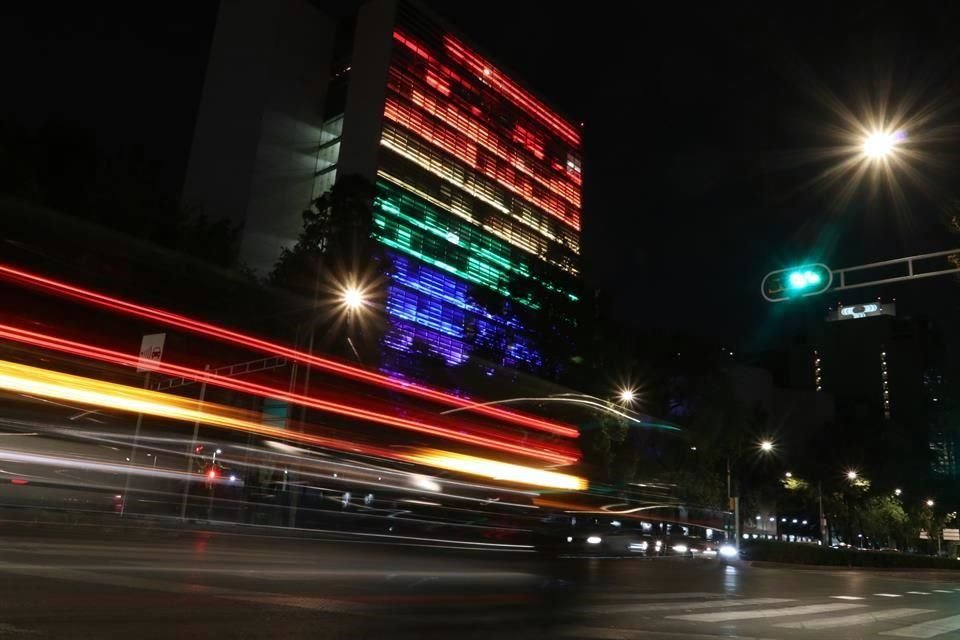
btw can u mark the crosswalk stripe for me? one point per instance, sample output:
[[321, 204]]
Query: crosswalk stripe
[[598, 633], [919, 593], [690, 595], [927, 629], [941, 591], [854, 619], [724, 616], [674, 606], [847, 597], [888, 595]]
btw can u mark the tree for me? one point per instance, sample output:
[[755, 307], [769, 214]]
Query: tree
[[61, 166], [336, 251], [602, 445], [336, 240], [883, 519]]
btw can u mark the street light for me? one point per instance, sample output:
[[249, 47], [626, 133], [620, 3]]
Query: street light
[[627, 395], [765, 446], [788, 474], [930, 503], [851, 475], [880, 144], [897, 492], [353, 298]]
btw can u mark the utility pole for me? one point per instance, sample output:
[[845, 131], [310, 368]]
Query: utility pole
[[823, 520], [193, 447], [729, 493], [314, 310], [133, 453]]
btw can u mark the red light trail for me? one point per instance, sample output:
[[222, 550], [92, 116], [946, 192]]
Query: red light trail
[[520, 97], [479, 437], [258, 344]]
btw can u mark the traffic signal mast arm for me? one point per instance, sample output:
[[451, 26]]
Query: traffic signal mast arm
[[813, 279]]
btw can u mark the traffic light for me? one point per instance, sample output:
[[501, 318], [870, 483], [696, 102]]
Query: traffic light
[[796, 282], [211, 473]]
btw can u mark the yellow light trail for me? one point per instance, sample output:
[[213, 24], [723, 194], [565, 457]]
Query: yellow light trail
[[497, 470], [21, 378], [64, 386]]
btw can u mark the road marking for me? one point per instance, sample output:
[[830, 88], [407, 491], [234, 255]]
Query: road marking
[[920, 593], [674, 606], [889, 595], [9, 628], [941, 591], [854, 619], [689, 595], [927, 629], [724, 616], [599, 633], [301, 602], [609, 633], [848, 597]]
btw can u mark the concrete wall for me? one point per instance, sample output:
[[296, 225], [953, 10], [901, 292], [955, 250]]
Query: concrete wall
[[259, 121], [370, 60]]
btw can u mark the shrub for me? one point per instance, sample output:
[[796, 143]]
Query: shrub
[[795, 553]]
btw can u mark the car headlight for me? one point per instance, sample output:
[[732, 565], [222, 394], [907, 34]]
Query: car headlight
[[680, 548], [594, 540], [728, 551]]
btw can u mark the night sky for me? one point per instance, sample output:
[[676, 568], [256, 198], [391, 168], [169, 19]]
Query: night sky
[[701, 125]]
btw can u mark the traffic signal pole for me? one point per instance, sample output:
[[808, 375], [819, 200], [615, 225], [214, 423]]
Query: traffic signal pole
[[913, 273], [813, 279]]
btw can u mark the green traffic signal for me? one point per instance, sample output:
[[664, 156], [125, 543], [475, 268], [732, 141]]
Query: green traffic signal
[[795, 282], [804, 279]]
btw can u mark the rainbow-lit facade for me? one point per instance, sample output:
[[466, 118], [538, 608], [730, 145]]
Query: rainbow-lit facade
[[478, 186]]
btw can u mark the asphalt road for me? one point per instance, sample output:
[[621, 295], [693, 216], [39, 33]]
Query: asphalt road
[[94, 582]]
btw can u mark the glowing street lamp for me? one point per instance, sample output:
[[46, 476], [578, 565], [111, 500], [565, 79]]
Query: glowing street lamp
[[766, 446], [627, 395], [880, 144], [788, 475], [851, 475], [897, 492], [353, 298], [930, 503]]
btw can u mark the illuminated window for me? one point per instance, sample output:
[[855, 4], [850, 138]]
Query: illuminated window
[[410, 225]]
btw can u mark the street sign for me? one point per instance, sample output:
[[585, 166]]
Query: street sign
[[151, 351], [796, 282], [276, 412], [952, 535], [924, 535]]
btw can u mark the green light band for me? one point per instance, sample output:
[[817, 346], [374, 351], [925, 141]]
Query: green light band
[[408, 224]]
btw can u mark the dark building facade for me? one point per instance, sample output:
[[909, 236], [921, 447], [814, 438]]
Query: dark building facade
[[885, 373], [478, 182], [259, 124]]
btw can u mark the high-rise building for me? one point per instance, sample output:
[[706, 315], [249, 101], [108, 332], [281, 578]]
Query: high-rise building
[[478, 182], [885, 374]]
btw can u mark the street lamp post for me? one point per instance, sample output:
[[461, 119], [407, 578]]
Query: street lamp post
[[765, 446], [354, 299]]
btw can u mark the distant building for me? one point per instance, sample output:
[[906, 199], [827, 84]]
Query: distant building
[[879, 367], [788, 411], [478, 181]]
